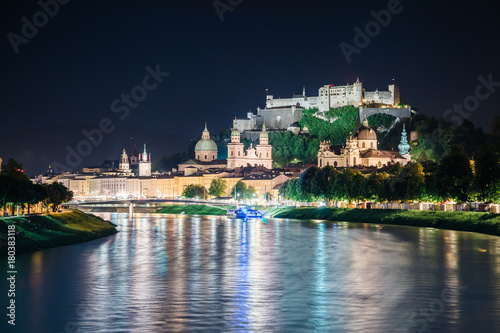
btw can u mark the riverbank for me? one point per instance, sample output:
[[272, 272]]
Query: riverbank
[[39, 232], [486, 223], [192, 210]]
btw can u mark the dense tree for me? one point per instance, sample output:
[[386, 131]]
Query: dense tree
[[454, 174], [194, 191], [290, 148], [323, 181], [348, 186], [335, 125], [239, 189], [250, 193], [381, 121], [406, 183], [436, 137], [57, 193], [17, 187], [486, 183], [289, 190], [304, 184], [243, 192], [218, 187], [373, 187]]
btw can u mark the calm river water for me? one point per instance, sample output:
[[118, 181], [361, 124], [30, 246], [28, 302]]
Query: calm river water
[[166, 274]]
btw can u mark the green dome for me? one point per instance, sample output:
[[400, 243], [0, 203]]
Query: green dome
[[206, 145]]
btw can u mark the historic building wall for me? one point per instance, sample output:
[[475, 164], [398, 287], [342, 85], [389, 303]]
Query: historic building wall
[[402, 113], [280, 118]]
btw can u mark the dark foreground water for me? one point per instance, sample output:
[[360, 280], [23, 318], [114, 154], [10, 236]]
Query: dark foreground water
[[162, 274]]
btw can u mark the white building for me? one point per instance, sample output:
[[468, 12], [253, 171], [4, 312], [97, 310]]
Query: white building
[[331, 96]]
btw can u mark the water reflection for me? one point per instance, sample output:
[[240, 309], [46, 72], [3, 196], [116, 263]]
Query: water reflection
[[162, 273]]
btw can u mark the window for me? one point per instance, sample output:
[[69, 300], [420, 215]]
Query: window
[[198, 157], [267, 154], [379, 164], [213, 157], [238, 153], [364, 145], [232, 153], [371, 145], [335, 164], [205, 156], [354, 161], [320, 163]]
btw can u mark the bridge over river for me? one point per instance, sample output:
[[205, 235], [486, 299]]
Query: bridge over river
[[137, 205]]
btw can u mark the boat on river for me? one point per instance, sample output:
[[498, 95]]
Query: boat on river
[[244, 212]]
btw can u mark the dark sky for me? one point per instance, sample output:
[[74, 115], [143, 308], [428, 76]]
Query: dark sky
[[91, 52]]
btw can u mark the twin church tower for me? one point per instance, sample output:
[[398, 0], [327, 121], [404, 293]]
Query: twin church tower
[[260, 155], [140, 163]]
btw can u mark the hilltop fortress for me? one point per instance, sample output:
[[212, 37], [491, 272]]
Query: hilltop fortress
[[280, 113]]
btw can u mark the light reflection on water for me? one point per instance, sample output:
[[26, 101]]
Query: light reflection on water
[[162, 273]]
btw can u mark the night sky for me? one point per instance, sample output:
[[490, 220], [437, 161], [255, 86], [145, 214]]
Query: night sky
[[92, 52]]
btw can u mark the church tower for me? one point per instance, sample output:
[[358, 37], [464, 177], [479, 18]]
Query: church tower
[[145, 164], [124, 165], [352, 152], [235, 154], [264, 149], [404, 147]]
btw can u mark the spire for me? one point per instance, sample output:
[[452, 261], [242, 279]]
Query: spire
[[205, 135], [235, 134], [304, 91], [145, 154], [357, 80], [124, 156], [404, 147], [263, 134], [365, 121], [135, 152]]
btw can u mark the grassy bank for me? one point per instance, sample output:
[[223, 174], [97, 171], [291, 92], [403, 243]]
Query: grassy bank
[[46, 231], [486, 223], [192, 210]]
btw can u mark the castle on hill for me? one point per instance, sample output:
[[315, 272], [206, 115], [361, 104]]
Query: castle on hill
[[206, 153], [331, 96], [281, 113]]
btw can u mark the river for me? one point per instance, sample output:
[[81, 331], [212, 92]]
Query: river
[[216, 274]]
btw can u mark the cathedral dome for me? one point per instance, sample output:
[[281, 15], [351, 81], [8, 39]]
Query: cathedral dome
[[365, 132], [205, 144]]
